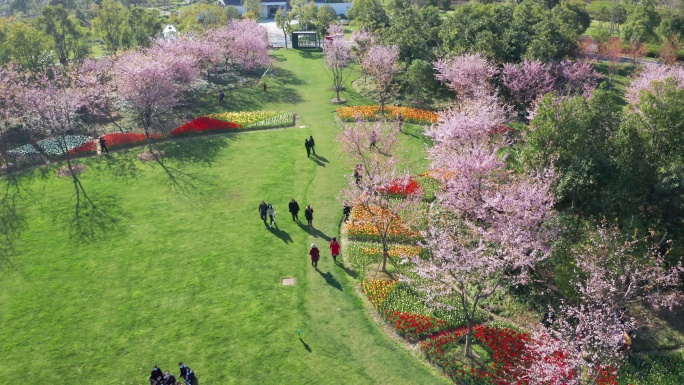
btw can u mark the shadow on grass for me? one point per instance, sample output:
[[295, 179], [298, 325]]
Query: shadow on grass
[[92, 217], [321, 158], [347, 270], [318, 162], [285, 77], [306, 346], [330, 280], [117, 164], [12, 221], [198, 150], [310, 53], [253, 98], [282, 234], [314, 232]]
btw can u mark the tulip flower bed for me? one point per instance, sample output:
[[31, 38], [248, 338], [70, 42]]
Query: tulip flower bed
[[56, 147], [410, 115], [361, 225], [507, 349], [257, 119], [413, 326], [397, 251], [402, 187], [25, 155], [377, 290], [114, 140], [204, 124]]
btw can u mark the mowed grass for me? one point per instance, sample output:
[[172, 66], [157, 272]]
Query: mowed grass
[[191, 274]]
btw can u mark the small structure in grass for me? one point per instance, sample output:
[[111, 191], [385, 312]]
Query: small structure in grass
[[289, 281]]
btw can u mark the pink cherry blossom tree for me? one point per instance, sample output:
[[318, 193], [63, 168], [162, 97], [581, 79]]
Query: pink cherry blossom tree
[[381, 63], [370, 146], [590, 332], [362, 41], [152, 84], [469, 75], [488, 229], [246, 44], [204, 48], [53, 103], [337, 54], [650, 74], [532, 79], [10, 82]]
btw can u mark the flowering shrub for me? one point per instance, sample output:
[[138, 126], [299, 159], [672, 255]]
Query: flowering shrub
[[361, 225], [401, 187], [377, 290], [204, 124], [410, 115], [257, 119], [413, 326], [113, 140], [57, 146]]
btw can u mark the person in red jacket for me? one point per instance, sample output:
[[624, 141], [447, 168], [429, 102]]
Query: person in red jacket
[[334, 248], [315, 255]]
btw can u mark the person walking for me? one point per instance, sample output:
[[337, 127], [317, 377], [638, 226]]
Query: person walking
[[334, 248], [312, 144], [373, 139], [308, 148], [103, 145], [346, 210], [156, 376], [308, 214], [263, 207], [221, 95], [169, 379], [315, 255], [183, 371], [294, 209], [265, 87], [271, 215]]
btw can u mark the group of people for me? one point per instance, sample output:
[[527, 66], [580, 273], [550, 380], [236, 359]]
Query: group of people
[[310, 145], [315, 253], [158, 377], [266, 211]]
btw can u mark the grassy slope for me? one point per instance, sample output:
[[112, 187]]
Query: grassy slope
[[196, 277]]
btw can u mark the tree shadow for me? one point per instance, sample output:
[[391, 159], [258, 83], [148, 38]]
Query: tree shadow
[[330, 280], [254, 98], [282, 234], [347, 270], [119, 165], [286, 77], [199, 150], [310, 53], [306, 346], [12, 221], [182, 183], [91, 218], [314, 232]]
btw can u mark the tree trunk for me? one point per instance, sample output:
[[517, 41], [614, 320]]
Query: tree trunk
[[468, 350]]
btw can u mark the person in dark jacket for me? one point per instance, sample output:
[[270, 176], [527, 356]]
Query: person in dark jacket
[[183, 370], [263, 208], [294, 209], [103, 145], [156, 376], [346, 210], [315, 255], [169, 379], [308, 148], [308, 214], [312, 144]]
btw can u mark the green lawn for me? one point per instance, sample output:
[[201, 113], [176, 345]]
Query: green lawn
[[191, 274]]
